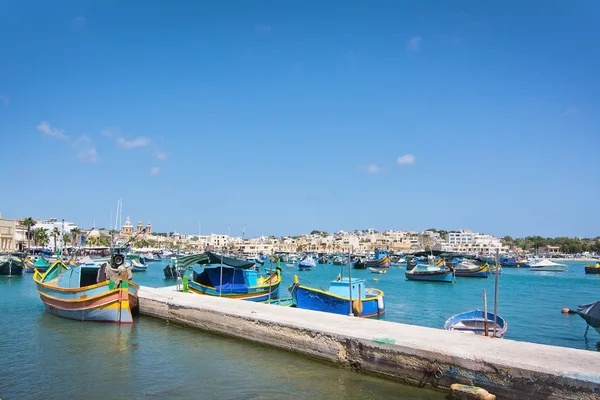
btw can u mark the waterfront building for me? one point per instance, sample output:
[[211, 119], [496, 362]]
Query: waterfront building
[[7, 234]]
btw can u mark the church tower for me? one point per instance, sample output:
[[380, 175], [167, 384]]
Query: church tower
[[127, 228]]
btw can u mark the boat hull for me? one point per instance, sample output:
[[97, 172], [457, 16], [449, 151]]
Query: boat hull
[[11, 269], [476, 322], [481, 272], [380, 263], [592, 270], [259, 293], [99, 302], [318, 300], [437, 276]]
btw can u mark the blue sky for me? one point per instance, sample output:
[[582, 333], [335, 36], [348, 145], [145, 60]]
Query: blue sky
[[292, 116]]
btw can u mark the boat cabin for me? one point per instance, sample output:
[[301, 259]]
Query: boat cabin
[[342, 288]]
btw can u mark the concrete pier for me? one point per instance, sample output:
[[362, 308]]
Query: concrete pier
[[406, 353]]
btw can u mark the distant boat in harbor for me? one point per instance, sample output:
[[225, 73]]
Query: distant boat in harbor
[[547, 265], [382, 260], [11, 265], [430, 273], [377, 270], [307, 263], [592, 269]]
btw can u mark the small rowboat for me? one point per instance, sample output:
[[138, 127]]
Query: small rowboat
[[431, 273], [592, 269], [475, 322], [377, 270]]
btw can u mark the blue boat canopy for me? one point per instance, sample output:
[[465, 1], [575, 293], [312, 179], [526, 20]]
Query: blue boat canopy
[[213, 258], [226, 280]]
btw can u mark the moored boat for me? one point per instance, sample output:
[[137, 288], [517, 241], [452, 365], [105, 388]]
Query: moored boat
[[547, 265], [377, 270], [11, 265], [430, 273], [40, 264], [359, 263], [591, 314], [467, 269], [364, 301], [382, 260], [592, 269], [307, 263], [87, 292], [231, 278], [477, 322]]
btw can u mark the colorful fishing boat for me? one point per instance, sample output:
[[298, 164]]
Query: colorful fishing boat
[[39, 263], [337, 261], [231, 278], [592, 269], [430, 273], [382, 260], [307, 263], [364, 301], [477, 322], [359, 263], [411, 262], [11, 265], [323, 260], [468, 269], [87, 292]]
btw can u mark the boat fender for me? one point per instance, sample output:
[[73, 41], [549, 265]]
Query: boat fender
[[380, 305], [357, 307]]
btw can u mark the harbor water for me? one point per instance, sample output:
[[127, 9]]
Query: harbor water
[[44, 356]]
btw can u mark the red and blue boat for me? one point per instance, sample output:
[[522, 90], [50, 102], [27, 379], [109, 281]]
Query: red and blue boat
[[382, 260]]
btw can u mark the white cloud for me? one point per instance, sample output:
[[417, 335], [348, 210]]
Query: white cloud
[[85, 150], [374, 169], [139, 141], [414, 43], [4, 99], [573, 110], [407, 159], [46, 129], [263, 28], [161, 156], [110, 132], [154, 171]]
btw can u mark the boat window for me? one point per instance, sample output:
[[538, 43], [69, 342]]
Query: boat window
[[88, 276]]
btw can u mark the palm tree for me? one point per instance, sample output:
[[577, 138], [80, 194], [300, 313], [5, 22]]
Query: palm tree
[[112, 234], [66, 239], [28, 223], [40, 236], [55, 234], [75, 232]]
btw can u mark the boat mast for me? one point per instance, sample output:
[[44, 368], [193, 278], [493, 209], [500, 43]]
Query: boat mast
[[496, 292]]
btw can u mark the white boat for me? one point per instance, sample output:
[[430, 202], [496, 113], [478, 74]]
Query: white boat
[[547, 265], [377, 270]]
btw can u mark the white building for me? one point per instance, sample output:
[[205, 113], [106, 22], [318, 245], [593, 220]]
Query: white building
[[63, 227]]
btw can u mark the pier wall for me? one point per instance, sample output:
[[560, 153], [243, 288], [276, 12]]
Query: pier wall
[[418, 355]]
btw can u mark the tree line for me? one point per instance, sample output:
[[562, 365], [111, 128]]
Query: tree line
[[567, 245]]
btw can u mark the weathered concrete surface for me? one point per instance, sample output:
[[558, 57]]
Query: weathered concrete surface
[[420, 356]]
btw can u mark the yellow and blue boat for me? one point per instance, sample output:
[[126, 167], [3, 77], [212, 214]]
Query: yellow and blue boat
[[88, 292], [231, 278], [364, 301]]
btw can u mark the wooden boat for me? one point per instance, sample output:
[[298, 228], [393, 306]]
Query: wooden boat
[[359, 263], [11, 265], [322, 260], [476, 322], [465, 269], [136, 266], [87, 292], [493, 270], [377, 270], [382, 260], [411, 263], [337, 261], [430, 273], [592, 269], [231, 278], [365, 302], [306, 263], [39, 263]]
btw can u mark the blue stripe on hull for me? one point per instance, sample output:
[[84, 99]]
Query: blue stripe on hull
[[101, 315], [317, 301], [481, 274]]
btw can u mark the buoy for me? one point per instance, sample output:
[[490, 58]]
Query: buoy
[[564, 311], [376, 279]]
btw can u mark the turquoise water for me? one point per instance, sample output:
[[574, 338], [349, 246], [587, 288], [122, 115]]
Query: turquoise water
[[43, 356], [531, 302]]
